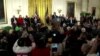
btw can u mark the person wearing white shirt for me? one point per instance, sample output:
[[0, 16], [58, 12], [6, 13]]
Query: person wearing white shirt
[[23, 46]]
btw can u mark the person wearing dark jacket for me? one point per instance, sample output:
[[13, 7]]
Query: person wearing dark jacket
[[23, 46], [72, 21], [12, 37], [14, 22], [35, 20], [3, 45], [54, 17], [57, 38], [27, 20]]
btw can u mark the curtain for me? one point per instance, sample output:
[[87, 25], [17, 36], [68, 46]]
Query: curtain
[[41, 8]]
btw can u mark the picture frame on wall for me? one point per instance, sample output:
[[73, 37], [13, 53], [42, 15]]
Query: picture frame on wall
[[3, 12]]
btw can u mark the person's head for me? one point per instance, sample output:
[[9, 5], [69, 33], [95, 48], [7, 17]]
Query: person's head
[[40, 42], [83, 30], [24, 34], [24, 42], [1, 30], [74, 27], [26, 16], [68, 28], [54, 13], [14, 16], [3, 39], [71, 17], [10, 31], [20, 16]]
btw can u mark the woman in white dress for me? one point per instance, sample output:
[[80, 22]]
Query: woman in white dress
[[23, 46]]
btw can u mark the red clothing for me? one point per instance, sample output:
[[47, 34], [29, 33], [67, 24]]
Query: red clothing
[[20, 21], [41, 52], [21, 54]]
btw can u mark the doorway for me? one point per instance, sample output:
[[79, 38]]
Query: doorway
[[70, 9]]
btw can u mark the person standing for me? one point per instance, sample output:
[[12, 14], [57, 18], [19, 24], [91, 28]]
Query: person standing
[[27, 20], [14, 22], [20, 21], [23, 46], [54, 17]]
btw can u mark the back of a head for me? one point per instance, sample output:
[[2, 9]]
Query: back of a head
[[40, 41], [24, 42], [21, 42]]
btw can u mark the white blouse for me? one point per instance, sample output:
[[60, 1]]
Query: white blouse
[[24, 49]]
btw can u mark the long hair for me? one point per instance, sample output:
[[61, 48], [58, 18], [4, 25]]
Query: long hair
[[24, 42]]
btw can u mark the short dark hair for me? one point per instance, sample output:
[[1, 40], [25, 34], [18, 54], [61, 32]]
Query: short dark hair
[[24, 42]]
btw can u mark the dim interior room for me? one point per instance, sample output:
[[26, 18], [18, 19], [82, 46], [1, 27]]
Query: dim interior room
[[49, 27], [26, 8]]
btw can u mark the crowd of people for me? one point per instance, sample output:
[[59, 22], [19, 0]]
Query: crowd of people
[[64, 38]]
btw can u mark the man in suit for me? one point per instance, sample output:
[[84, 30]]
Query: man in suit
[[54, 17], [72, 21], [63, 21], [14, 22], [27, 20], [35, 20]]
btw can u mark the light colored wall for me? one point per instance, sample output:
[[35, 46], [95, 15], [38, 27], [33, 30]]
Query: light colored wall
[[62, 4], [80, 6], [12, 6], [84, 5], [59, 4], [94, 3], [88, 4]]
